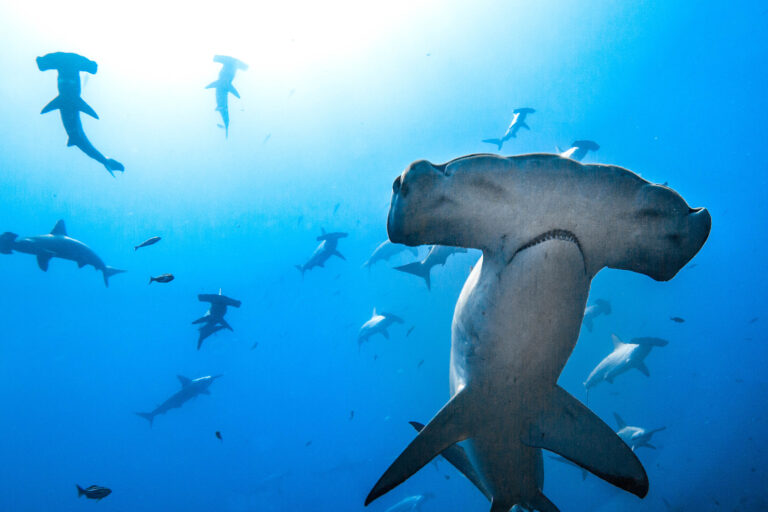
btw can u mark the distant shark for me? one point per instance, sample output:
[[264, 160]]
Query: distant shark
[[624, 357], [579, 149], [327, 248], [56, 244], [224, 87], [386, 250], [377, 324], [546, 225], [411, 503], [213, 321], [635, 437], [70, 104], [600, 307], [437, 255], [189, 390], [518, 121]]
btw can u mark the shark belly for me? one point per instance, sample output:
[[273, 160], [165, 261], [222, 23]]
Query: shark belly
[[515, 325]]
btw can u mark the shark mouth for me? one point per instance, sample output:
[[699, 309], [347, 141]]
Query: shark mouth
[[553, 234]]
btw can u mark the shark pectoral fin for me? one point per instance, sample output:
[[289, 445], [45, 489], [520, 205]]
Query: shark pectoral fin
[[460, 460], [385, 334], [500, 506], [448, 427], [619, 421], [81, 264], [226, 324], [43, 259], [542, 504], [212, 84], [337, 253], [569, 429], [55, 104], [643, 369], [70, 142], [649, 445], [184, 381], [233, 91], [523, 124], [85, 108]]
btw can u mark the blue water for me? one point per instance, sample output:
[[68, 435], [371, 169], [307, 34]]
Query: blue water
[[673, 91]]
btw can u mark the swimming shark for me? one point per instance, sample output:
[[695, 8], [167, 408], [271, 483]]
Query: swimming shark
[[635, 437], [579, 149], [327, 248], [624, 357], [518, 121], [213, 321], [189, 390], [411, 503], [377, 324], [224, 87], [386, 250], [546, 226], [70, 104], [437, 255], [600, 307], [56, 244]]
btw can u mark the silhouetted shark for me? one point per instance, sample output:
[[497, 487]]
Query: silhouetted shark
[[189, 390], [224, 87]]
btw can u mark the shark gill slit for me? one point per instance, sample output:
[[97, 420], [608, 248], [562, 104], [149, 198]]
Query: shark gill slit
[[552, 234]]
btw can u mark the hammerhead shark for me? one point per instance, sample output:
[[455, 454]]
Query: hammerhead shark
[[213, 321], [328, 247], [224, 87], [189, 390], [518, 121], [624, 357], [56, 244], [579, 149], [546, 225], [437, 255], [70, 104]]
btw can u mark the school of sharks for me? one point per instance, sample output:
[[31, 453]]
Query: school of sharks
[[543, 225]]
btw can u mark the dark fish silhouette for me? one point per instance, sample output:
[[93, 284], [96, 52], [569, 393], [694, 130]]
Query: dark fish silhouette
[[70, 104], [326, 249], [410, 331], [224, 87], [56, 244], [147, 242], [420, 363], [94, 492], [677, 319], [255, 344], [754, 320], [518, 121], [218, 436], [351, 415], [162, 278], [213, 321]]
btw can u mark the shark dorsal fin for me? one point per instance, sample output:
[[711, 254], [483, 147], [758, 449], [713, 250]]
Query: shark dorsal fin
[[374, 311], [60, 229], [184, 380], [619, 421], [617, 343]]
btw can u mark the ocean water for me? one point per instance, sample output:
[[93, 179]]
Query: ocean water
[[338, 99]]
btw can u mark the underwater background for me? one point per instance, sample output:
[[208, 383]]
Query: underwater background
[[338, 99]]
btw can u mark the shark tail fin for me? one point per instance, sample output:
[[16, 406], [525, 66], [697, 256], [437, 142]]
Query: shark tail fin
[[301, 269], [109, 272], [418, 269], [498, 142], [6, 242], [80, 491], [619, 421], [113, 165], [569, 429], [147, 416], [448, 427], [588, 323]]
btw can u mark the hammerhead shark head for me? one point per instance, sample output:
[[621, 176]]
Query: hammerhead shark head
[[224, 87], [70, 104], [579, 149], [56, 244], [546, 225], [189, 390], [213, 321]]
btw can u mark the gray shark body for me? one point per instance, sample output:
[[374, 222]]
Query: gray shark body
[[518, 121], [224, 87], [579, 149], [437, 255], [635, 437], [411, 503], [70, 104], [600, 307], [213, 321], [546, 226], [328, 247], [377, 324], [625, 356], [386, 250], [56, 244], [189, 390]]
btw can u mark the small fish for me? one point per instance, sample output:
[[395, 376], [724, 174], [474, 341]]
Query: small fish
[[308, 443], [677, 319], [255, 344], [754, 320], [266, 139], [299, 220], [218, 436], [420, 363], [94, 492], [336, 208], [351, 415], [162, 278], [408, 333], [147, 242]]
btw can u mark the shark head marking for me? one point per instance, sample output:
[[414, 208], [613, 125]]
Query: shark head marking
[[502, 204], [66, 62]]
